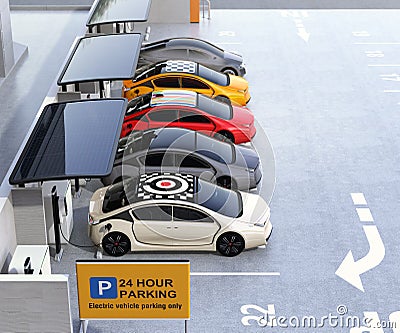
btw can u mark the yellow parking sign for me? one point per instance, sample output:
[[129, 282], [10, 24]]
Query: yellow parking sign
[[133, 289]]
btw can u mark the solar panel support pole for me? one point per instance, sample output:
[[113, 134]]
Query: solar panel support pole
[[57, 223]]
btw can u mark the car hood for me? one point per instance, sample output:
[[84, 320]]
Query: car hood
[[233, 57], [238, 83], [247, 157], [242, 115], [255, 208]]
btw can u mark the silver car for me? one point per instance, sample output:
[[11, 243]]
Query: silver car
[[192, 49], [186, 151]]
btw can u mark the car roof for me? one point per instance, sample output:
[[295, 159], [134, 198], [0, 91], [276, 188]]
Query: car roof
[[180, 66], [174, 97], [174, 136]]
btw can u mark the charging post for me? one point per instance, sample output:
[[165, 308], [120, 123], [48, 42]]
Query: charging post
[[57, 223]]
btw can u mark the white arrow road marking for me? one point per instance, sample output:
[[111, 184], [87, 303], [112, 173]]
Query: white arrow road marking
[[364, 214], [301, 30], [303, 34], [358, 198], [350, 270]]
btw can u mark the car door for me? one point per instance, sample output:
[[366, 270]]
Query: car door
[[196, 166], [153, 224], [192, 227], [194, 84], [196, 121], [163, 118]]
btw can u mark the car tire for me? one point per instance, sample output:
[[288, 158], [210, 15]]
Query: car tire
[[230, 70], [230, 244], [228, 136], [116, 244]]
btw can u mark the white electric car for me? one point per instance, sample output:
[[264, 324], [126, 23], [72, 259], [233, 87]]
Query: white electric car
[[167, 211]]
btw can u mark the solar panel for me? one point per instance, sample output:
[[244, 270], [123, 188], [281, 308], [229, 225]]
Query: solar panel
[[102, 57], [75, 139], [113, 11]]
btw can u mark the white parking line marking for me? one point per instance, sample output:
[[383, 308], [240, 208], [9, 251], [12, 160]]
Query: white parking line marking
[[391, 43], [384, 65], [235, 273], [358, 198], [364, 214]]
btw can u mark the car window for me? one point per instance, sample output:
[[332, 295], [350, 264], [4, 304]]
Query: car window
[[167, 82], [192, 117], [189, 83], [189, 214], [191, 161], [215, 149], [219, 199], [179, 53], [158, 159], [153, 213], [198, 55], [166, 116], [215, 108], [214, 76]]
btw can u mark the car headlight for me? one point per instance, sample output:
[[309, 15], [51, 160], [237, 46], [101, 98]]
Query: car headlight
[[245, 125], [250, 170], [242, 91], [260, 224]]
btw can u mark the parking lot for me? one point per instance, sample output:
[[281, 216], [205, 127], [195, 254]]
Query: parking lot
[[325, 92]]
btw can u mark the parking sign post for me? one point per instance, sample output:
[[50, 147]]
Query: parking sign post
[[125, 289]]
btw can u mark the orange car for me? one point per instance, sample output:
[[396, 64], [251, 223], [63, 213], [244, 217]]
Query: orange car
[[187, 75]]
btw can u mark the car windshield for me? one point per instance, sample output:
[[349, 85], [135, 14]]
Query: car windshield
[[215, 108], [138, 103], [136, 141], [213, 76], [190, 43], [217, 150], [117, 195], [146, 72], [219, 199]]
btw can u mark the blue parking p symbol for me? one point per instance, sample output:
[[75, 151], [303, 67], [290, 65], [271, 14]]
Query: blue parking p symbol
[[103, 287]]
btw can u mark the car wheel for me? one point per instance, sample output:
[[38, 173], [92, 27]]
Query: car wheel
[[223, 99], [230, 244], [230, 70], [116, 244], [228, 136]]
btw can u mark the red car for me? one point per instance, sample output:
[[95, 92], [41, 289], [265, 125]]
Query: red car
[[190, 110]]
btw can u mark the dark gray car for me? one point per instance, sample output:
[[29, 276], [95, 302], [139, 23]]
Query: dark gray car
[[192, 49], [180, 150]]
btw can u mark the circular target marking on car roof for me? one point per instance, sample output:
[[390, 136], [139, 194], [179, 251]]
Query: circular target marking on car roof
[[166, 185]]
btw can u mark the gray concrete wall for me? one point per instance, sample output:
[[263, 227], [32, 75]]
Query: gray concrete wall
[[6, 42], [8, 241]]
